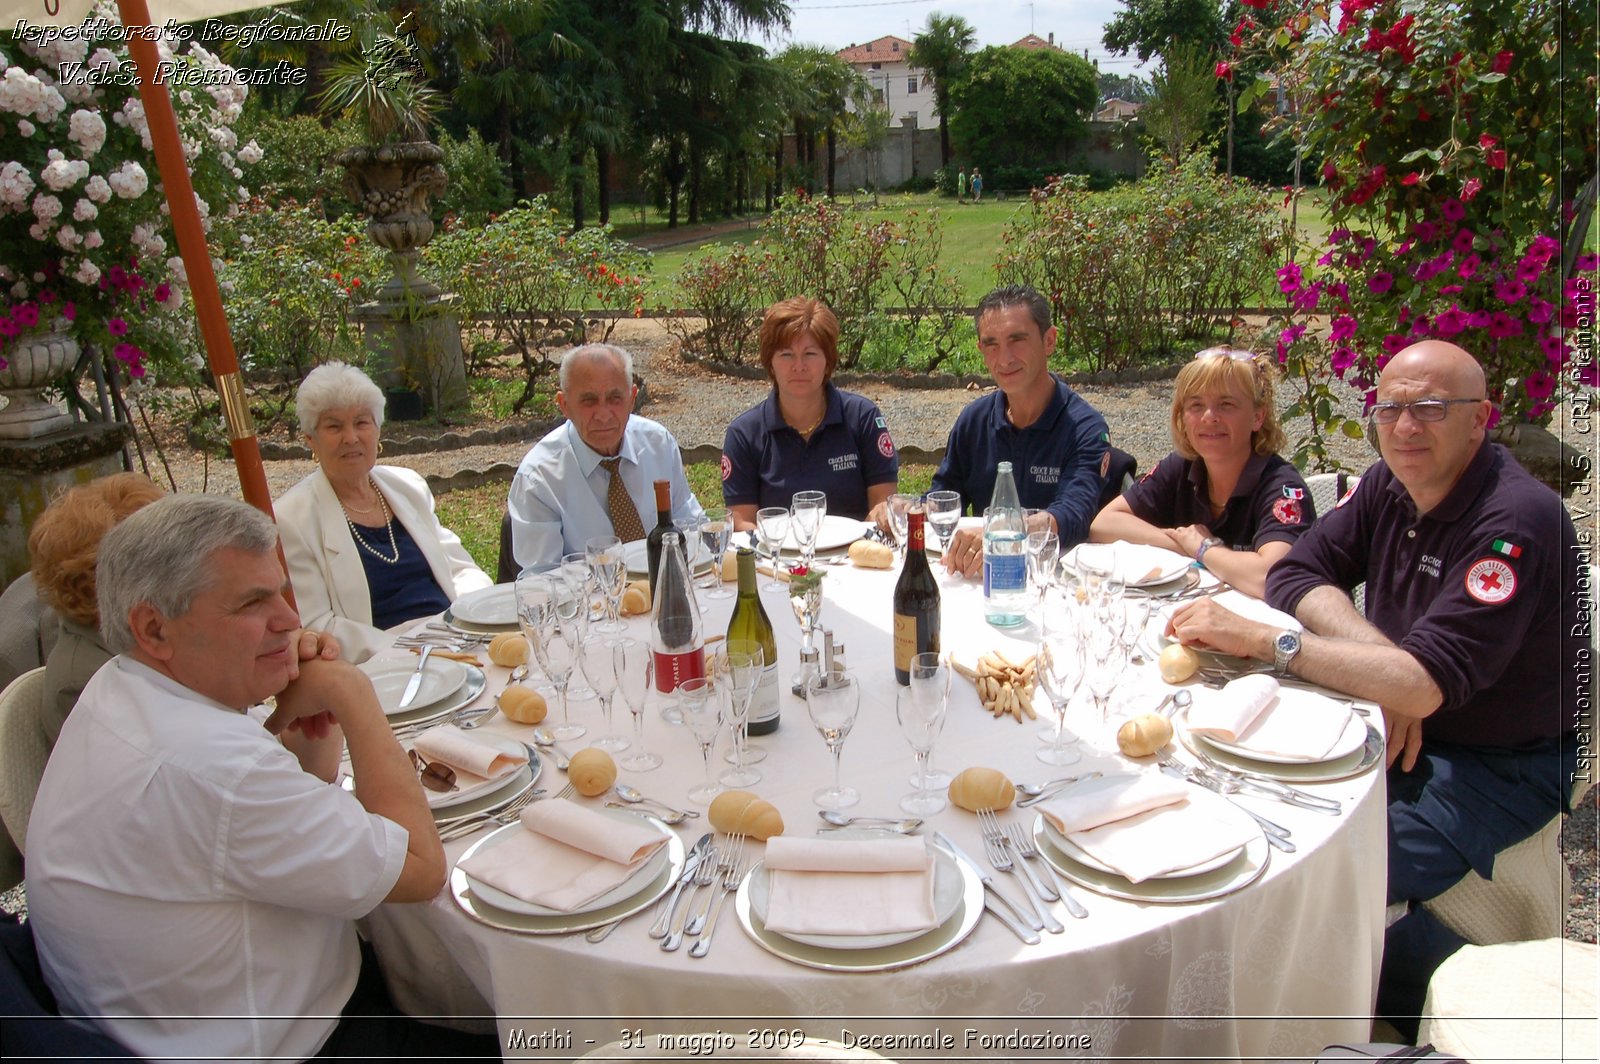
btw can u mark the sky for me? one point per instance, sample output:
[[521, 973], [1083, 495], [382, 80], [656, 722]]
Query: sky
[[1077, 24]]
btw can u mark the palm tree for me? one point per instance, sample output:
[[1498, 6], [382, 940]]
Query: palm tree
[[828, 85], [941, 51]]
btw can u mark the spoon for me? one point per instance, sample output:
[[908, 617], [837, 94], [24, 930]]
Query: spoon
[[633, 796], [1033, 790], [1054, 787], [666, 816], [1180, 703], [518, 674], [544, 740], [839, 820]]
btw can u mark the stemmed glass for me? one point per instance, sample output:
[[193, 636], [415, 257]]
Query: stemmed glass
[[715, 532], [599, 659], [832, 702], [899, 508], [635, 668], [1102, 664], [1135, 617], [547, 611], [921, 710], [575, 571], [1060, 671], [701, 699], [1043, 550], [608, 569], [772, 525], [944, 513], [741, 662], [806, 511]]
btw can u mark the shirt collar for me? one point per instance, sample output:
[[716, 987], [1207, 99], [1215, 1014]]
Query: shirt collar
[[1046, 420], [589, 458], [772, 414], [1467, 487]]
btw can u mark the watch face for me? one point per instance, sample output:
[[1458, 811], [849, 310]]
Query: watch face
[[1287, 643]]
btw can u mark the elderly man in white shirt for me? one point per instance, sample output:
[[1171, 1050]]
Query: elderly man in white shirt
[[193, 872], [563, 494]]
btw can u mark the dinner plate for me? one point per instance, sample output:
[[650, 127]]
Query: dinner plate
[[465, 695], [1142, 565], [1221, 807], [475, 628], [440, 679], [490, 607], [924, 947], [637, 555], [1245, 868], [476, 908], [646, 873], [1349, 741], [524, 778], [946, 899], [834, 533], [1370, 754], [446, 799]]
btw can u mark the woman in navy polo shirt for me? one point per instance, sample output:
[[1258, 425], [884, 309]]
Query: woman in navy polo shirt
[[806, 435], [1224, 497]]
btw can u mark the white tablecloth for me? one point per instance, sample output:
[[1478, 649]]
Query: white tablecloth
[[1277, 970]]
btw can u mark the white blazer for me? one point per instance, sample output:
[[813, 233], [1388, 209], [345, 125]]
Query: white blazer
[[330, 586]]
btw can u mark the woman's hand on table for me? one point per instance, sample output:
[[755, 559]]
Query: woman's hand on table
[[965, 555], [1189, 537]]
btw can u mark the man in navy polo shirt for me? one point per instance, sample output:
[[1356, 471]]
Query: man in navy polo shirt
[[1471, 644], [1057, 443]]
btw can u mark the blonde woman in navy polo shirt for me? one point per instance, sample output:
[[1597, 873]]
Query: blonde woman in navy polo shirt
[[1224, 497], [806, 435]]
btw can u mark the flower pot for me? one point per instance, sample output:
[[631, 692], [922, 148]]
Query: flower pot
[[36, 359], [393, 184]]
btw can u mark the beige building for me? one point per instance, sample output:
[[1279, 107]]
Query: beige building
[[894, 81]]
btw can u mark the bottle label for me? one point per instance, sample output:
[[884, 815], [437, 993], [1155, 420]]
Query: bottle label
[[916, 537], [1004, 573], [905, 641], [673, 669], [764, 704]]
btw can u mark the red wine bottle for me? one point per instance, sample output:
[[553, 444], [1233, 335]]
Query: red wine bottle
[[676, 641], [652, 543], [916, 602]]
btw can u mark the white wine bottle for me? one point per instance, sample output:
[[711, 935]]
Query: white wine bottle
[[750, 621]]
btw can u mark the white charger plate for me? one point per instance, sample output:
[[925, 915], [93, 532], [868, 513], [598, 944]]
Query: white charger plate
[[447, 799], [641, 876], [946, 898], [637, 555], [1219, 805], [1349, 741], [1135, 562], [1244, 869], [465, 695], [490, 606], [440, 679], [477, 909], [834, 533], [514, 788]]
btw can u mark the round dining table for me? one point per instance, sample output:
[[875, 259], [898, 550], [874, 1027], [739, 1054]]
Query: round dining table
[[1274, 970]]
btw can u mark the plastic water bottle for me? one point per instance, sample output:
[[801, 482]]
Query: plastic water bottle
[[1005, 554]]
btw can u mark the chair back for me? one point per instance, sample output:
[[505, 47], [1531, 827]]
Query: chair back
[[1120, 470], [23, 752], [1326, 491], [507, 570]]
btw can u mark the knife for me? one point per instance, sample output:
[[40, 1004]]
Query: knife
[[988, 882], [1276, 834], [690, 864], [414, 684]]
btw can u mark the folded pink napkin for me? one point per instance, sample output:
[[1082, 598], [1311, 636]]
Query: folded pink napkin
[[566, 857], [1229, 712], [849, 887], [464, 753], [1144, 825], [1298, 724]]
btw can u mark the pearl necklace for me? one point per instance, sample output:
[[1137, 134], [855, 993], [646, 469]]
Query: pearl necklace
[[388, 524]]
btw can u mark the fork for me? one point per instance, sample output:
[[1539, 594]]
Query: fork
[[505, 815], [1023, 844], [733, 870], [702, 878], [994, 845], [1276, 834], [1268, 787]]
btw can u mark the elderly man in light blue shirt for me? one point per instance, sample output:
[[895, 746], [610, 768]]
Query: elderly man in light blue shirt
[[562, 496]]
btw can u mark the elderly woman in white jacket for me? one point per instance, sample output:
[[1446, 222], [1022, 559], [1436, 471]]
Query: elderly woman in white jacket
[[364, 548]]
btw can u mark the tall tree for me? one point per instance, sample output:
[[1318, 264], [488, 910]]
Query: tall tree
[[1185, 99], [1022, 107], [829, 86], [1149, 27], [941, 52]]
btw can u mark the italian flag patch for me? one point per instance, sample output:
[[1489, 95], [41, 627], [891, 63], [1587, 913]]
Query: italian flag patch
[[1510, 550]]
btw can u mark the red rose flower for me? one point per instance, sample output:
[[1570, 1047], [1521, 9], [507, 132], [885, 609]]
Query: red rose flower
[[1502, 62]]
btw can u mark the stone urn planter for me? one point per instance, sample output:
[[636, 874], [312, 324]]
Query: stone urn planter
[[36, 359], [394, 185]]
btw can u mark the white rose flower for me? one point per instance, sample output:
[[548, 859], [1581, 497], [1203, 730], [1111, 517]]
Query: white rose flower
[[87, 272], [88, 130], [19, 290], [175, 267], [16, 185], [85, 211], [46, 208], [251, 153], [68, 237], [129, 180], [98, 189], [64, 173], [105, 60], [92, 239], [25, 127]]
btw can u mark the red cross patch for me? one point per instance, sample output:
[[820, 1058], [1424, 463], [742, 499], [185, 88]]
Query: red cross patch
[[885, 445], [727, 467], [1105, 464], [1491, 581], [1347, 496], [1287, 511]]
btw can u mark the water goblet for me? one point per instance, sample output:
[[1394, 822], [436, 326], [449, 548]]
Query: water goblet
[[701, 700], [806, 512], [1102, 669], [930, 674], [772, 525], [899, 508], [715, 532], [599, 660], [740, 663], [608, 570], [547, 613], [1043, 550], [635, 668], [832, 702], [1093, 564], [1060, 670], [921, 709], [1135, 618], [944, 513]]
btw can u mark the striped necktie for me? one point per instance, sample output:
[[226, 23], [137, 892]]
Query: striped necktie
[[619, 505]]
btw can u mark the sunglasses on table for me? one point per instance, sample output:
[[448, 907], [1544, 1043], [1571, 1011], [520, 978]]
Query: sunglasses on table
[[1421, 409]]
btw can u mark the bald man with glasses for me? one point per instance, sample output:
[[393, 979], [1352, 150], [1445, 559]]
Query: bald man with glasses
[[1472, 642]]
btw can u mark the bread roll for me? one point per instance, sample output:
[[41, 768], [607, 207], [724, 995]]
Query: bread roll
[[635, 598], [982, 788], [740, 812], [592, 771], [1178, 663], [508, 649], [523, 705], [1144, 735], [869, 554]]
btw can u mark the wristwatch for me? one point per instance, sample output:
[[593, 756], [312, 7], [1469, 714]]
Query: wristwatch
[[1205, 545], [1284, 647]]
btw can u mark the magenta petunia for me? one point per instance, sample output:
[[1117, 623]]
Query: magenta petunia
[[1325, 259], [1452, 289], [1290, 335], [1394, 343], [26, 314], [1289, 279], [1344, 327], [1588, 262], [1544, 246], [1425, 232], [1510, 291], [1468, 267], [1307, 299], [69, 310], [1529, 269], [1539, 385], [1478, 319], [1452, 210], [1450, 323], [1462, 244], [1540, 311], [1589, 373], [1502, 325], [1470, 188], [163, 292], [47, 297], [9, 328], [1494, 417], [1341, 360], [117, 327], [1421, 327], [1338, 236], [1554, 348]]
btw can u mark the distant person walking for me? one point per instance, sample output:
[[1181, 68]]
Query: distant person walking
[[977, 185], [961, 186]]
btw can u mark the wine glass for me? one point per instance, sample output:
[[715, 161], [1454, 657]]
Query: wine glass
[[740, 661], [1135, 617], [1060, 671], [547, 612], [1043, 550], [715, 531], [1102, 666], [701, 700], [806, 511], [772, 525], [944, 513], [921, 710], [899, 508], [832, 702], [635, 668], [599, 659], [1093, 563], [608, 569], [574, 569]]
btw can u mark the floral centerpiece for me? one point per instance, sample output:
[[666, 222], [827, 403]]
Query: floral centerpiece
[[83, 219]]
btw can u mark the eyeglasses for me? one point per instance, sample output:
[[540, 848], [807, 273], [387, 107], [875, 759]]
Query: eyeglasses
[[1421, 409], [1226, 352]]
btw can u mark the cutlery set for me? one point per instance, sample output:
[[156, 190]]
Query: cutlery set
[[718, 868], [1218, 778]]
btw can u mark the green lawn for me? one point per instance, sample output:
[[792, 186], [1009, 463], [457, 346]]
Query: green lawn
[[474, 514]]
